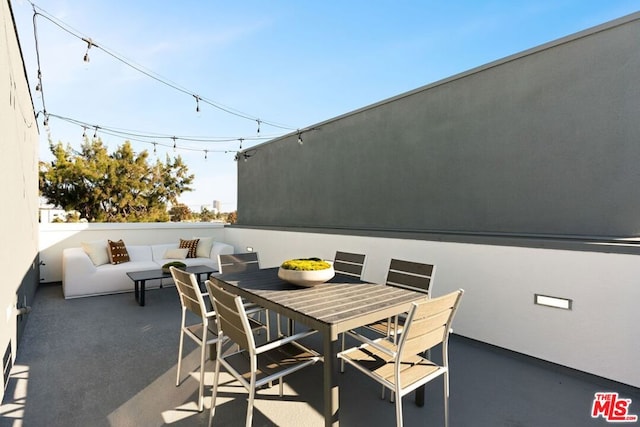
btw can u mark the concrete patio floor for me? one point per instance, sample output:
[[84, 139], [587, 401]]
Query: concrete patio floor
[[105, 361]]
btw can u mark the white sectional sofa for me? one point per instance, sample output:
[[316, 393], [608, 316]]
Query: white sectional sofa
[[81, 277]]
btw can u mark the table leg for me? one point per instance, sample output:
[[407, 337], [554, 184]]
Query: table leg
[[331, 391], [142, 283], [419, 399], [136, 290]]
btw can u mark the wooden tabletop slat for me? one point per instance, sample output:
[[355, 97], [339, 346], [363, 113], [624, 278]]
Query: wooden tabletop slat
[[343, 299]]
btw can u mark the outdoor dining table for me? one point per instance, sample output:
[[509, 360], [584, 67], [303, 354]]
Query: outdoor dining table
[[341, 304]]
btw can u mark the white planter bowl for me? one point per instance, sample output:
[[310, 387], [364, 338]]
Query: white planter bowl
[[306, 278]]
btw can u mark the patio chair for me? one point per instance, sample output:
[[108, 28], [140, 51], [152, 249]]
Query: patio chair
[[402, 367], [409, 275], [203, 332], [266, 363], [349, 264], [239, 263], [235, 263]]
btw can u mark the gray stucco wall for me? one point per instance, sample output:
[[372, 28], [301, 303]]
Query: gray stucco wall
[[545, 142]]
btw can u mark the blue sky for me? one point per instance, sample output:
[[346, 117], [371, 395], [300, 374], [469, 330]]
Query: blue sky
[[290, 63]]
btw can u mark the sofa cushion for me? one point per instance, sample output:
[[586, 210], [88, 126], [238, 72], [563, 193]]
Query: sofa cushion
[[192, 245], [176, 253], [204, 247], [117, 252], [97, 251]]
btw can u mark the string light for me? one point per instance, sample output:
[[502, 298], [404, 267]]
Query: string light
[[153, 75], [205, 154], [245, 155], [89, 44], [136, 136], [300, 141]]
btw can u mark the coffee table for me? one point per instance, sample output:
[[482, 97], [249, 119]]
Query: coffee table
[[140, 277]]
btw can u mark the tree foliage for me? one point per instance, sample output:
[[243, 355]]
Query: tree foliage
[[117, 187], [180, 212]]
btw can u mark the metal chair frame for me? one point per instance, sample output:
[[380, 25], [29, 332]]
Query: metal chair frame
[[401, 366], [285, 352]]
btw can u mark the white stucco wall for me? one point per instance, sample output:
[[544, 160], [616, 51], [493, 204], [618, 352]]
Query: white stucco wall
[[19, 178], [597, 336]]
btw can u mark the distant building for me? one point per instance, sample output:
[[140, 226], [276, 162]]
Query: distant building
[[217, 206]]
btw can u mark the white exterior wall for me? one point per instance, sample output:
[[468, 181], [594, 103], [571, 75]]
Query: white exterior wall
[[597, 336]]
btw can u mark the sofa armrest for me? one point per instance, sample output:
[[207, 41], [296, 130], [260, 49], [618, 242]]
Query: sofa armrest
[[220, 248], [75, 264], [75, 261]]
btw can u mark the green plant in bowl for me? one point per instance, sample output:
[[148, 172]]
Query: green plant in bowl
[[176, 264], [305, 264], [306, 271]]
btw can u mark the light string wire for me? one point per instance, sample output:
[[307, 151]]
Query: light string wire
[[155, 76], [153, 138], [137, 136]]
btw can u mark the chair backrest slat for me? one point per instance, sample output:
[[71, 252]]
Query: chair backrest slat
[[426, 332], [411, 275], [235, 263], [349, 263], [189, 291], [428, 323], [231, 317]]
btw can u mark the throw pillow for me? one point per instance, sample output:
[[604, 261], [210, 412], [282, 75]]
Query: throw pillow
[[117, 252], [97, 252], [192, 245], [204, 246], [176, 253]]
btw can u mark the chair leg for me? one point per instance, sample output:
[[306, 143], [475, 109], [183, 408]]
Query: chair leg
[[267, 324], [216, 376], [180, 348], [278, 325], [398, 409], [341, 359], [252, 392], [203, 353], [446, 399]]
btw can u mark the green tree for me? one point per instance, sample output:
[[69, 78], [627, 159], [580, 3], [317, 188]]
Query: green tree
[[117, 187], [180, 212], [206, 215], [232, 217]]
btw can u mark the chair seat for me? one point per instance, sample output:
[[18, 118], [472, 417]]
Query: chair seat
[[195, 331], [387, 326], [413, 368], [272, 361]]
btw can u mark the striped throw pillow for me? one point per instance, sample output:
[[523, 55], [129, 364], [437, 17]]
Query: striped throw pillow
[[192, 245]]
